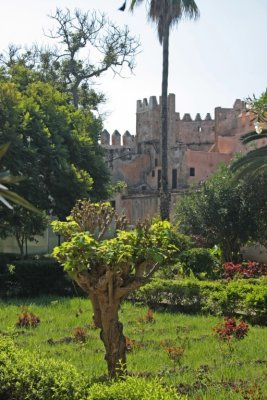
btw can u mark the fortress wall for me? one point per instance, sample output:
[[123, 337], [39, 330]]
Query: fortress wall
[[140, 206], [196, 132], [204, 164], [133, 172]]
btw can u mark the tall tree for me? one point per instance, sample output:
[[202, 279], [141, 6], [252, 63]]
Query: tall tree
[[166, 14], [49, 133], [85, 45]]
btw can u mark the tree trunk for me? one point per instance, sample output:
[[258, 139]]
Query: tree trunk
[[106, 318], [231, 251], [20, 242], [165, 195]]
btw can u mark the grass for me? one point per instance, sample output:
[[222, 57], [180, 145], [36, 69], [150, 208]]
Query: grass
[[206, 370]]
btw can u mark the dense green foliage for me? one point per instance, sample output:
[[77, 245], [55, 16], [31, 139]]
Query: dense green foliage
[[203, 263], [82, 252], [33, 277], [247, 298], [225, 213], [23, 376], [45, 131]]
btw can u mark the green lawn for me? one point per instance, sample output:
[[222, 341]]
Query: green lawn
[[206, 370]]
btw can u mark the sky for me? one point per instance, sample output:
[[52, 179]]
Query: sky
[[213, 61]]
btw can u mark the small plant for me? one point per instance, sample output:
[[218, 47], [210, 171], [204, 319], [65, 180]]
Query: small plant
[[80, 334], [131, 343], [231, 329], [148, 318], [175, 354], [27, 319]]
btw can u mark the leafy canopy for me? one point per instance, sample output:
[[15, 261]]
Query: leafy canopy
[[46, 131], [225, 212]]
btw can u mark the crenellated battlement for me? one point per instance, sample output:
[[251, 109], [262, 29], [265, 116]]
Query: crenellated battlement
[[116, 139], [153, 104], [197, 132]]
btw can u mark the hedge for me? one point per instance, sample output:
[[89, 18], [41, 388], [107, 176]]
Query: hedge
[[25, 376], [246, 298], [33, 277]]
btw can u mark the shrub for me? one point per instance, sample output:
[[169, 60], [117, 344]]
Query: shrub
[[133, 388], [80, 334], [25, 376], [202, 262], [34, 277], [27, 319], [238, 297], [230, 329], [249, 269]]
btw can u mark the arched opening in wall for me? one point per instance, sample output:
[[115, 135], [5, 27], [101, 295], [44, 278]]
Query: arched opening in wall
[[156, 162]]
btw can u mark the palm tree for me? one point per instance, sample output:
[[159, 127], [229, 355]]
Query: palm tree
[[165, 14], [7, 195], [254, 162]]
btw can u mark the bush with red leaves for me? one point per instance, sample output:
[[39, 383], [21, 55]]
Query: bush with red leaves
[[230, 329], [246, 269], [27, 319]]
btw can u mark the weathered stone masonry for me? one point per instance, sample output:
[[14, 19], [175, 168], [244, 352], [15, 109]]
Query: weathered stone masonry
[[195, 148]]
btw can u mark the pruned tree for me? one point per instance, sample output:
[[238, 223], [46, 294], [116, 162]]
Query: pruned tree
[[109, 269]]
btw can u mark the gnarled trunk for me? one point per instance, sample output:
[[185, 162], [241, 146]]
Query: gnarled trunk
[[106, 294], [107, 319]]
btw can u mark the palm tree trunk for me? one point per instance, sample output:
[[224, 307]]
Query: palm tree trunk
[[165, 195]]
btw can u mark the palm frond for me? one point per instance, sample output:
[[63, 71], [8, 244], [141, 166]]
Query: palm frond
[[168, 12], [3, 149], [7, 195], [252, 136], [251, 164], [5, 178]]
